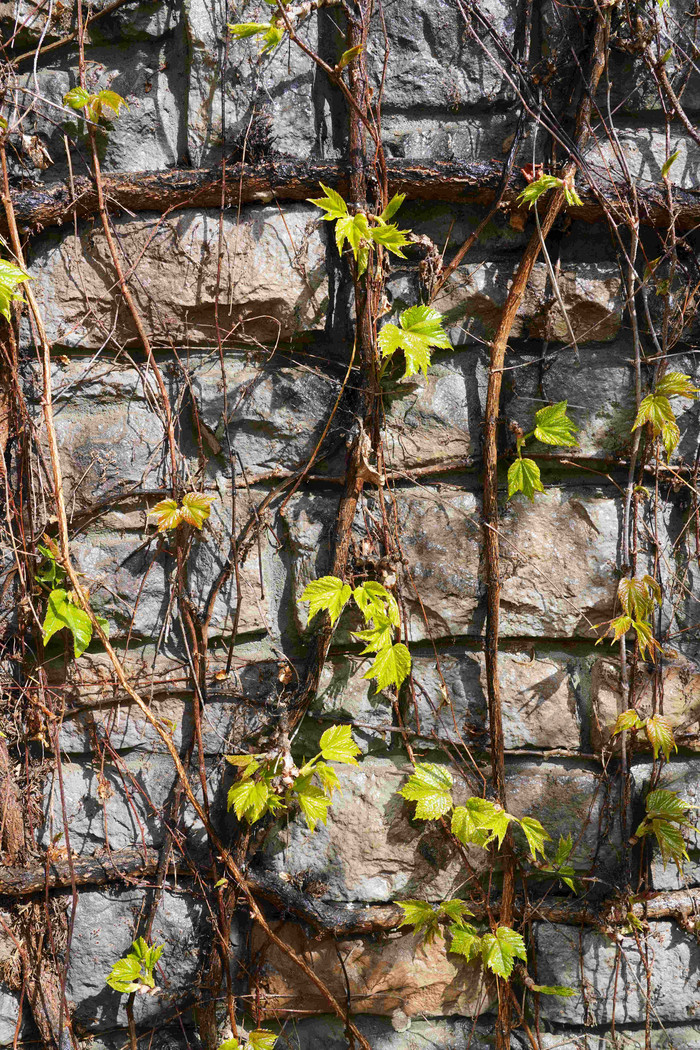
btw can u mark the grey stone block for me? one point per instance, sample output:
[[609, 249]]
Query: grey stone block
[[383, 1033], [675, 958], [9, 1015]]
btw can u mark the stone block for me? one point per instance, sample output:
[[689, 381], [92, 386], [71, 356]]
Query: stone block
[[398, 1033], [673, 996], [677, 1037], [9, 1015], [402, 975], [682, 778], [273, 278], [105, 926], [396, 856]]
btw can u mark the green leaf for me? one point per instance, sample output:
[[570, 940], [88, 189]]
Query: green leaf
[[230, 1044], [351, 228], [620, 627], [479, 822], [313, 800], [262, 1039], [376, 638], [535, 834], [390, 666], [422, 917], [660, 735], [676, 384], [627, 720], [666, 804], [669, 163], [241, 30], [110, 99], [167, 514], [196, 508], [328, 777], [393, 239], [60, 613], [500, 950], [10, 277], [393, 206], [465, 941], [327, 593], [524, 476], [347, 56], [125, 975], [374, 600], [670, 436], [553, 426], [77, 98], [645, 639], [247, 762], [656, 410], [466, 830], [421, 329], [537, 188], [430, 785], [248, 799], [273, 37], [454, 910], [337, 745], [333, 204], [671, 842], [553, 989], [637, 597]]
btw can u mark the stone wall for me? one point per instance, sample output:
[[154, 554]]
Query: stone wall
[[251, 410]]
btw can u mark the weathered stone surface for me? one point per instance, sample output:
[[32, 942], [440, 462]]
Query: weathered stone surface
[[9, 1014], [682, 778], [681, 699], [395, 856], [644, 150], [117, 807], [344, 696], [105, 926], [674, 975], [273, 279], [420, 980], [660, 1037], [380, 1033], [541, 693], [473, 298]]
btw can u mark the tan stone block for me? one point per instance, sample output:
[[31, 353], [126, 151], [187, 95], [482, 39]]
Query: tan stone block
[[399, 973]]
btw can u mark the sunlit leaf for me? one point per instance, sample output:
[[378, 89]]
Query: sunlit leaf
[[627, 720], [553, 989], [666, 804], [669, 163], [167, 514], [248, 799], [479, 822], [196, 508], [10, 277], [391, 238], [262, 1039], [337, 745], [423, 917], [524, 476], [421, 330], [430, 786], [535, 834], [333, 204], [313, 800], [499, 950], [77, 98], [373, 599], [676, 384], [347, 56], [60, 613], [327, 593], [537, 188], [660, 735], [241, 30], [377, 637], [656, 410], [393, 206], [328, 777], [465, 941], [553, 426], [390, 666]]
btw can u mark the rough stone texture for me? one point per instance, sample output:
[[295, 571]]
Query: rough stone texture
[[402, 976], [105, 924], [272, 286], [9, 1013], [399, 857], [674, 975], [415, 1034], [682, 778]]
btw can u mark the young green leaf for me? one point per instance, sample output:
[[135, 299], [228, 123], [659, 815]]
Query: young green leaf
[[671, 842], [465, 941], [109, 99], [676, 384], [347, 56], [241, 30], [669, 163], [553, 426], [421, 330], [333, 204], [328, 777], [60, 613], [500, 950], [537, 188], [124, 977], [262, 1039], [391, 238], [196, 508], [313, 801], [455, 910], [478, 822], [273, 37], [376, 638], [249, 799], [535, 834], [351, 228], [553, 989], [524, 476], [390, 666], [645, 639], [670, 436], [430, 786], [655, 409], [77, 98], [423, 917], [337, 745], [660, 736], [374, 600], [10, 277], [667, 805], [627, 720], [167, 514], [392, 207], [327, 593], [230, 1044]]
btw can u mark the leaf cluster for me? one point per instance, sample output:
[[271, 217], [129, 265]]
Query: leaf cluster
[[62, 609], [637, 598], [268, 784], [392, 661], [362, 231], [658, 729], [666, 816], [418, 332], [552, 427], [558, 865], [656, 411], [194, 510], [260, 1039], [538, 187], [10, 277], [96, 105], [134, 973], [478, 822]]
